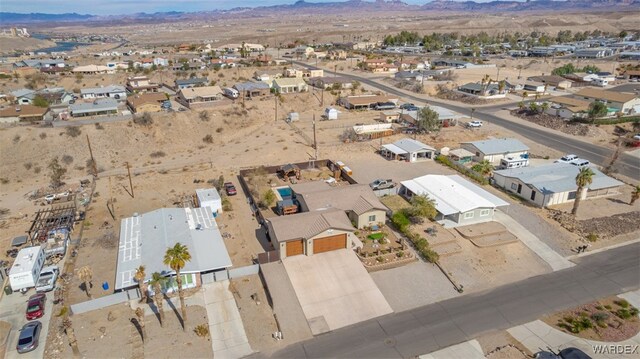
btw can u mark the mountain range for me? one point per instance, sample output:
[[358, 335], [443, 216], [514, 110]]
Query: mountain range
[[339, 7]]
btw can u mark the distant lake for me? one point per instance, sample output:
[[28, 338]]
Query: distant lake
[[61, 46]]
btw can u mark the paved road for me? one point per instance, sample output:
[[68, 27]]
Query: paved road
[[626, 165], [436, 326]]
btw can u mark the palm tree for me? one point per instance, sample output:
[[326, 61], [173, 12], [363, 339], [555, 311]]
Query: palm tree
[[157, 281], [140, 277], [176, 257], [140, 316], [635, 195], [485, 167], [67, 326], [86, 276], [583, 180]]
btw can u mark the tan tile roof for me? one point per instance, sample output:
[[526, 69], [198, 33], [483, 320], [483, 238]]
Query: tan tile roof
[[151, 97], [612, 96], [205, 91], [308, 224], [24, 111], [570, 101], [358, 198], [367, 100]]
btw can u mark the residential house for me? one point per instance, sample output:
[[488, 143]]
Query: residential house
[[289, 85], [558, 82], [445, 116], [55, 95], [22, 113], [364, 102], [41, 63], [325, 82], [631, 74], [487, 90], [408, 150], [553, 184], [496, 149], [191, 82], [92, 70], [99, 107], [304, 73], [568, 107], [267, 75], [112, 91], [160, 62], [147, 102], [141, 84], [252, 89], [535, 87], [303, 51], [458, 201], [593, 53], [358, 201], [145, 238], [310, 233], [336, 54], [582, 76], [627, 103], [23, 96], [196, 97], [380, 65], [541, 51], [390, 116]]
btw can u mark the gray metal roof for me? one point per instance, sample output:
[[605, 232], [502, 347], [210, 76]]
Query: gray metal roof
[[499, 145], [557, 177], [144, 240], [250, 86], [192, 81], [411, 145], [103, 90], [23, 92], [103, 104]]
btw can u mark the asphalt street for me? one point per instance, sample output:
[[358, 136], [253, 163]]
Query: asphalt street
[[436, 326], [626, 164]]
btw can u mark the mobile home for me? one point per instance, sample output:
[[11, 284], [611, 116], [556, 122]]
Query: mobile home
[[26, 269]]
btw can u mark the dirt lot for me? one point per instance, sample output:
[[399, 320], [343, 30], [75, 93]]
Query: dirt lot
[[109, 332], [501, 345]]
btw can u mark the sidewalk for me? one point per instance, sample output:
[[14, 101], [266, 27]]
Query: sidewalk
[[538, 335], [466, 350], [555, 260]]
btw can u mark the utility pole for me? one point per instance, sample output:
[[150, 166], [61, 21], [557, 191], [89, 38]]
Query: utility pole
[[94, 167], [322, 96], [130, 182], [315, 142], [276, 116]]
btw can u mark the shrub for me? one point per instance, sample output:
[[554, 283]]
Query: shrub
[[219, 129], [379, 259], [204, 116], [42, 135], [400, 221], [37, 169], [600, 316], [67, 159], [16, 139], [28, 165], [400, 254], [226, 205], [465, 171], [4, 180], [99, 126], [622, 303], [592, 237], [73, 131], [143, 120], [157, 154], [623, 313], [607, 306], [202, 330], [207, 139]]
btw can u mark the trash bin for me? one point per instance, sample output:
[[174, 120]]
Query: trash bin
[[105, 286], [8, 290]]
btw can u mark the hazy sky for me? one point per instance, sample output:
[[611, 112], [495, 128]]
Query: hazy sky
[[112, 7]]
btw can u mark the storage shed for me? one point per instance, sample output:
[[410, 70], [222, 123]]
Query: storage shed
[[209, 197]]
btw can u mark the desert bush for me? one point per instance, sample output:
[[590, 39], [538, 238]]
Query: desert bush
[[99, 126], [67, 159], [226, 204], [143, 120], [42, 135], [157, 154], [592, 237], [73, 131], [400, 221], [219, 129], [16, 138], [28, 165], [37, 169], [623, 303], [4, 180], [207, 139], [202, 330], [203, 115], [600, 316]]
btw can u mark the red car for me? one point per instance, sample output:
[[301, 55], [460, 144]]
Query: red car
[[35, 307], [230, 188]]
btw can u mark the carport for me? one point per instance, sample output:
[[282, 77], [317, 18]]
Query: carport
[[393, 152]]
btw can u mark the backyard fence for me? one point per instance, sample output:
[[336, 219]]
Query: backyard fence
[[229, 274], [386, 191], [102, 302]]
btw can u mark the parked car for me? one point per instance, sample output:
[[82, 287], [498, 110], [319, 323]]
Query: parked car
[[474, 124], [566, 353], [230, 189], [35, 306], [385, 106], [567, 158], [29, 337], [382, 184], [409, 107], [580, 162], [47, 280]]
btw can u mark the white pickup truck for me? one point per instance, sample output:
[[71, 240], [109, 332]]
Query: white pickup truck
[[47, 280]]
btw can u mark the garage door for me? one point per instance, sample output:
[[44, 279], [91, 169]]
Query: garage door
[[330, 243], [295, 248]]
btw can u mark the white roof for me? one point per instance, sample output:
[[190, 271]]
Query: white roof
[[453, 194], [25, 260], [395, 149], [207, 194]]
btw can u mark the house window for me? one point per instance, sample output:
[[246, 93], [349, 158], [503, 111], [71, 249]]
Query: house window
[[572, 195], [372, 218], [514, 186], [533, 195], [469, 215], [485, 212]]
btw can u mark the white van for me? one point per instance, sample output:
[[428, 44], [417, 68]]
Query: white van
[[231, 93], [510, 162]]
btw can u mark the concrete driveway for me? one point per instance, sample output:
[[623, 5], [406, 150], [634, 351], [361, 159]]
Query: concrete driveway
[[334, 290], [12, 310]]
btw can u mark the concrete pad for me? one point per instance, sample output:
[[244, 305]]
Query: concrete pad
[[555, 260], [632, 297], [335, 285], [228, 338], [466, 350]]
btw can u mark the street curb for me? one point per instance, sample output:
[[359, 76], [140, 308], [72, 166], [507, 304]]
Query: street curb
[[599, 250]]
